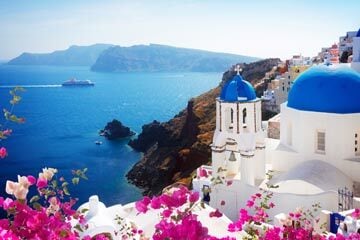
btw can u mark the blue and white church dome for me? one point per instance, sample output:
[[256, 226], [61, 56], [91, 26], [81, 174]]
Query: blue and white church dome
[[237, 90], [326, 89]]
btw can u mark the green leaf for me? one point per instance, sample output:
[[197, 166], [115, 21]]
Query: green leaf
[[84, 210], [75, 180], [64, 184], [78, 227], [2, 136], [34, 199], [37, 205], [66, 191], [54, 183]]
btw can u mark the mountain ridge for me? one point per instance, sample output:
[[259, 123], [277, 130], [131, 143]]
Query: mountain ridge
[[157, 57], [72, 56]]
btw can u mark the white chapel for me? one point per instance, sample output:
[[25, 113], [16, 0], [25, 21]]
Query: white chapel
[[318, 151]]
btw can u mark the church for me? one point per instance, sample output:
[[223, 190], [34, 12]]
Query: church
[[317, 154]]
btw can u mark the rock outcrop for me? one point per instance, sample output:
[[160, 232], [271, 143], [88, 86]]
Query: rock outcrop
[[174, 149], [115, 130]]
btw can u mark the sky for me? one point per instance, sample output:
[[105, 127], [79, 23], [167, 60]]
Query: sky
[[260, 28]]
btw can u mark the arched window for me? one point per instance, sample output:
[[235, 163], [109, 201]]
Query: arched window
[[244, 115]]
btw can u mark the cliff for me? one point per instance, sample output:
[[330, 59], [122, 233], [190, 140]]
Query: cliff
[[73, 56], [155, 57], [174, 149]]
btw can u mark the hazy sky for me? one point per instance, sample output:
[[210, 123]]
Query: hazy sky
[[262, 28]]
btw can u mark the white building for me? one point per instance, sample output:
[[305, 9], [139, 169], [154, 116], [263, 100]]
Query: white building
[[318, 151], [346, 42], [278, 89], [355, 64]]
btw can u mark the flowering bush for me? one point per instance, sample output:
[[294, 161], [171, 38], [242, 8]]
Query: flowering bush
[[9, 116], [45, 215], [177, 220]]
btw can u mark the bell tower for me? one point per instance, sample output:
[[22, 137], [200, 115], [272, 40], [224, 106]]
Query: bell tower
[[238, 147]]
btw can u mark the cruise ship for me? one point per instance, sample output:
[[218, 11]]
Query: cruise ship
[[75, 82]]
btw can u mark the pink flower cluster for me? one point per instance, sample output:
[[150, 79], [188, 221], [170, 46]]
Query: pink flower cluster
[[3, 152], [177, 219], [297, 226], [257, 203], [356, 214], [45, 216]]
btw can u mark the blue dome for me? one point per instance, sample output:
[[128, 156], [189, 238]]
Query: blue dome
[[326, 89], [237, 90], [358, 33]]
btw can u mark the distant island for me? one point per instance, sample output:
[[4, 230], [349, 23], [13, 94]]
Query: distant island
[[73, 56], [155, 57], [138, 58]]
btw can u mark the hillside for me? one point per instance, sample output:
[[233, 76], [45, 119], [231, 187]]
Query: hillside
[[73, 56], [156, 57], [174, 149]]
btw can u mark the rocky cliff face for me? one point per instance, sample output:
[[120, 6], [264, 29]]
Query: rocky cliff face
[[174, 149]]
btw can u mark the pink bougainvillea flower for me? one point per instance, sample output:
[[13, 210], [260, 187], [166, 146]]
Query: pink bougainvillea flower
[[229, 182], [7, 132], [3, 152], [31, 179], [155, 203], [215, 213], [356, 213], [250, 203], [41, 182], [194, 196], [48, 173], [142, 205], [8, 202], [203, 173], [166, 213]]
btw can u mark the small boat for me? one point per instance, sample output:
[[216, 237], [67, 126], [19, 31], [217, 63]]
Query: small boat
[[75, 82], [98, 142]]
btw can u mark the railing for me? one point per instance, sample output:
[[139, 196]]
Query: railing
[[345, 199]]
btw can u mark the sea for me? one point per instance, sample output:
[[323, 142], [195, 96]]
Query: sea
[[62, 123]]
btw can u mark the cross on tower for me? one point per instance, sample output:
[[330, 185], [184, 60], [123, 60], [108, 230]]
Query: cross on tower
[[238, 70]]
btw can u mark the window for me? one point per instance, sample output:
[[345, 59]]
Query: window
[[320, 143], [357, 145], [244, 116], [231, 116]]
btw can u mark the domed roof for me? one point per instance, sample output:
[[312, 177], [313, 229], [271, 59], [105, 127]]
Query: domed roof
[[237, 90], [358, 33], [326, 89]]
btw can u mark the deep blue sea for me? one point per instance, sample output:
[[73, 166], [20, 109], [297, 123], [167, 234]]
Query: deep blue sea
[[62, 123]]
